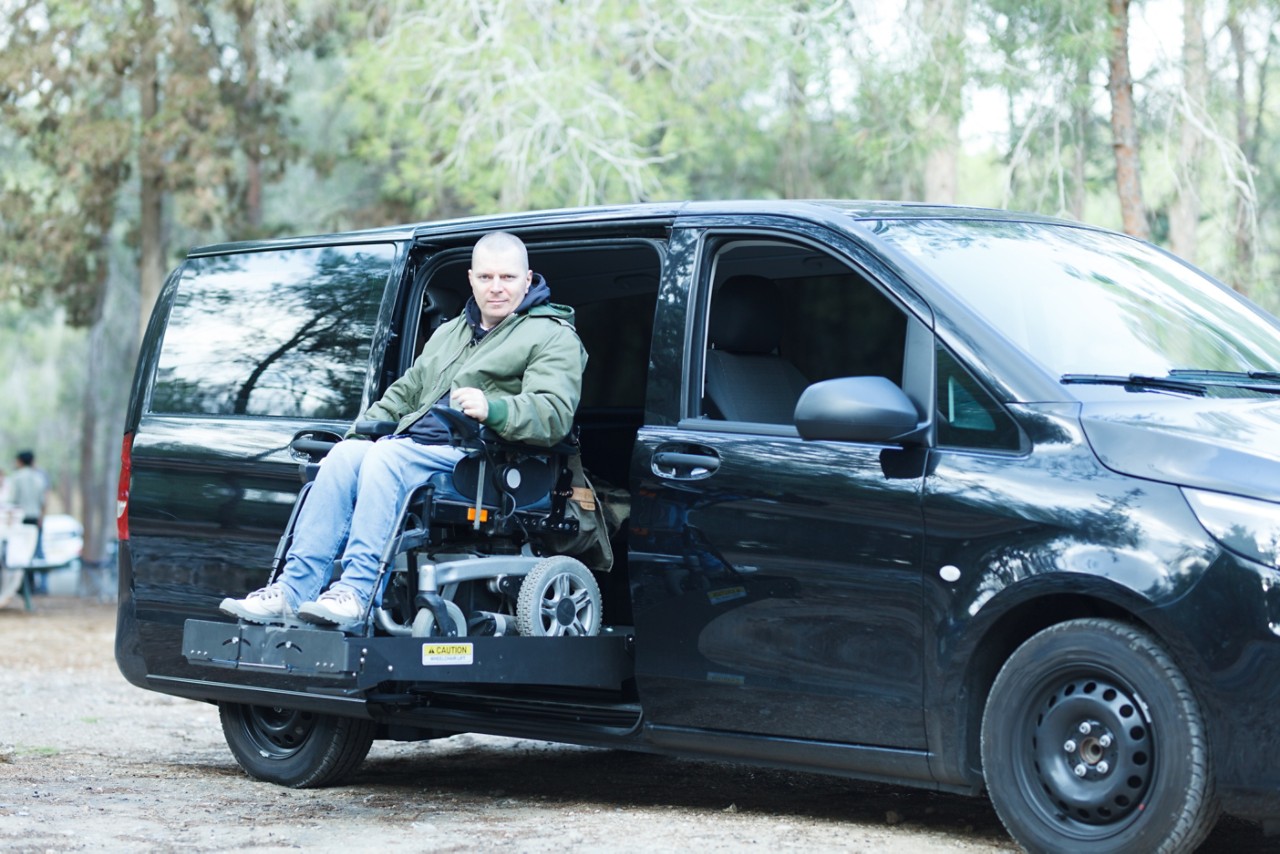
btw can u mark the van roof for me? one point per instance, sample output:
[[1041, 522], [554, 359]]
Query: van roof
[[803, 209]]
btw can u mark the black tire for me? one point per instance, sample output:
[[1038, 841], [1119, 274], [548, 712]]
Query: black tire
[[1093, 741], [301, 750], [559, 597]]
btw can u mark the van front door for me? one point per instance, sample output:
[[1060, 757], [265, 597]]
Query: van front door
[[776, 581]]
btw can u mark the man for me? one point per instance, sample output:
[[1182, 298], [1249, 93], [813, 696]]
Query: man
[[29, 489], [511, 360]]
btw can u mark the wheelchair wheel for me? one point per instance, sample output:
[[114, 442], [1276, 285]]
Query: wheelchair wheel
[[424, 622], [559, 597]]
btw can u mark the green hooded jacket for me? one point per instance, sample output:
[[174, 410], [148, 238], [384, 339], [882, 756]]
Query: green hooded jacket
[[529, 367]]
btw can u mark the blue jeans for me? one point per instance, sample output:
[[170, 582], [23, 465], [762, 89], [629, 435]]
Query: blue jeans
[[352, 509]]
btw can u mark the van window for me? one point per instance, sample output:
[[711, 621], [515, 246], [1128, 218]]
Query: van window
[[968, 416], [783, 316], [1082, 301], [273, 333]]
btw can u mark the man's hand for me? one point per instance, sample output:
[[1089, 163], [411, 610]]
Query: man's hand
[[471, 402]]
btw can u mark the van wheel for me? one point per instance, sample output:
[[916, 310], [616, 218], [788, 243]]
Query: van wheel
[[1092, 741], [558, 597], [292, 748]]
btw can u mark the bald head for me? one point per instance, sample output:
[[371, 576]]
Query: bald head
[[503, 243], [499, 276]]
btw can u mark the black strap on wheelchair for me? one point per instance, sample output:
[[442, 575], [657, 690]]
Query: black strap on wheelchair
[[434, 602], [286, 539]]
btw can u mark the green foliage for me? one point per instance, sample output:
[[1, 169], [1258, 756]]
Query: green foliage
[[1051, 66], [70, 141], [291, 116], [486, 105]]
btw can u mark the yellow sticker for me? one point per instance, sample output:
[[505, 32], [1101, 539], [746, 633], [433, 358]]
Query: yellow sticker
[[726, 594], [446, 653]]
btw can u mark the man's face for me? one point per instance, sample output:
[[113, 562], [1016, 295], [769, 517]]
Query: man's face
[[499, 281]]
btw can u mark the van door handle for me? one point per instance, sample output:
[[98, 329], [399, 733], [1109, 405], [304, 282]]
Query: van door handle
[[684, 466], [314, 444]]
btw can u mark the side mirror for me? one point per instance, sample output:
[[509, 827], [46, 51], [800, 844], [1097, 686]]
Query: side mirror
[[855, 409]]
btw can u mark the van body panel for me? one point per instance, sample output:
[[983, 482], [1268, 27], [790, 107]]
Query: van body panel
[[1220, 445], [1032, 539], [790, 577]]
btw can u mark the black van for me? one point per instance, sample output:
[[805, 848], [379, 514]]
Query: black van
[[953, 498]]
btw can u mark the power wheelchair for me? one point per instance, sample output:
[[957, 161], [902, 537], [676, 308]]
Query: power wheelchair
[[487, 565]]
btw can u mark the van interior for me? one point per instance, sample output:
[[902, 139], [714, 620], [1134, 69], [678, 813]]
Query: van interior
[[813, 317]]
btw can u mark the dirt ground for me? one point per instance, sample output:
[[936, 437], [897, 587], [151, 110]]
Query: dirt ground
[[91, 763]]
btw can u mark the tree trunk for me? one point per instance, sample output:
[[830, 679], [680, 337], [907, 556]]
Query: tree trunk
[[944, 26], [941, 165], [150, 167], [1124, 125], [795, 158], [252, 146], [1243, 227], [91, 515], [1184, 217], [1083, 120]]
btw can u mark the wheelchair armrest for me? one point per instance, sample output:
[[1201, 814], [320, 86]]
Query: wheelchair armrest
[[464, 432], [375, 428]]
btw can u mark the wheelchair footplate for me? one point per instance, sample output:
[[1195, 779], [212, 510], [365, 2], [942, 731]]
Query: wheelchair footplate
[[602, 661]]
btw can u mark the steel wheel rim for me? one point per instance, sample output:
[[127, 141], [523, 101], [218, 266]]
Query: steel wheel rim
[[278, 733], [1086, 754]]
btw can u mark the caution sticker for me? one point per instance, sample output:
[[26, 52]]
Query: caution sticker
[[726, 594], [446, 653]]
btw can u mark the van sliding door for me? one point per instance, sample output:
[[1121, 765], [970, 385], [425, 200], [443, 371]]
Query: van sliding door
[[777, 581]]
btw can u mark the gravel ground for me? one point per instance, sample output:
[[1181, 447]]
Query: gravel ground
[[91, 763]]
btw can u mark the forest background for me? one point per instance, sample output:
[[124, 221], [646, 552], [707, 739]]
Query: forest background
[[131, 130]]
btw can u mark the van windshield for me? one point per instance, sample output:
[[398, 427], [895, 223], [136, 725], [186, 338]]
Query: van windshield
[[1087, 303]]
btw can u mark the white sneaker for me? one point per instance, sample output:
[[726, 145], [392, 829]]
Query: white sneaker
[[267, 605], [337, 606]]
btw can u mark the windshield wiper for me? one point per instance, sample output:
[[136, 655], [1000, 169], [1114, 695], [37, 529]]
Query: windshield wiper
[[1225, 376], [1136, 381]]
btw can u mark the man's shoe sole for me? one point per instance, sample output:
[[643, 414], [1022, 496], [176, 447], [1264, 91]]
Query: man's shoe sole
[[316, 614], [233, 608]]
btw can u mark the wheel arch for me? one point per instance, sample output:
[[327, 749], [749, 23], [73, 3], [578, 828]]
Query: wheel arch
[[991, 649]]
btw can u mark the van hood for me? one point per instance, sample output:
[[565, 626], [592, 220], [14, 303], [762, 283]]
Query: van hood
[[1226, 444]]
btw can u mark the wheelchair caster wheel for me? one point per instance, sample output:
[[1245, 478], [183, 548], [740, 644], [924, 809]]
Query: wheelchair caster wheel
[[424, 622], [559, 597]]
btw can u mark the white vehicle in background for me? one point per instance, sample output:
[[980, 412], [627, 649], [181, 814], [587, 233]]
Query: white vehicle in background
[[62, 544]]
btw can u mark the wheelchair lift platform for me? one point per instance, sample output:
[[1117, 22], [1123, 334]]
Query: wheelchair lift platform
[[604, 661]]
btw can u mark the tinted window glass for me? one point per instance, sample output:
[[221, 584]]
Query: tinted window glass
[[1083, 301], [783, 316], [273, 333], [968, 417], [841, 326]]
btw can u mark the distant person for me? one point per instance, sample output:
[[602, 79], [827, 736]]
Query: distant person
[[29, 490]]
